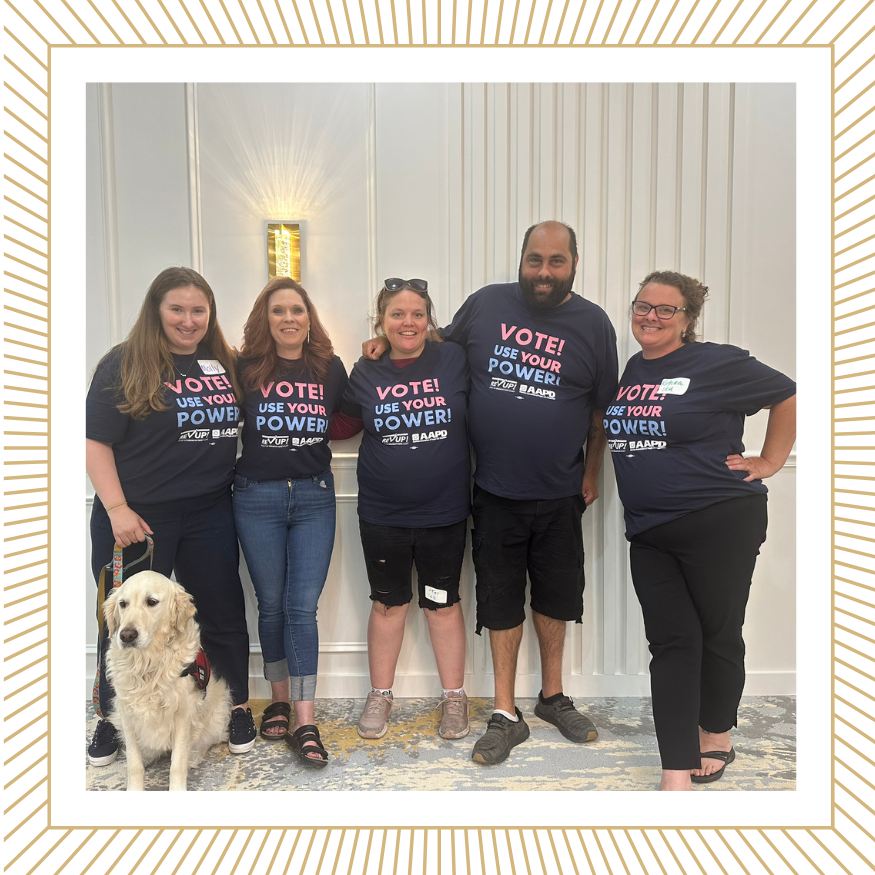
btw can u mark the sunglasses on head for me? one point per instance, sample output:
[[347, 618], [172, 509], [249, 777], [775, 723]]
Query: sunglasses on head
[[396, 284]]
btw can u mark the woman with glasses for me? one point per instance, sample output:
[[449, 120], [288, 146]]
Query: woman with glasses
[[284, 501], [414, 495], [695, 511]]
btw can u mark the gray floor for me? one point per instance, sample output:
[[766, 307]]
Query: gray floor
[[411, 756]]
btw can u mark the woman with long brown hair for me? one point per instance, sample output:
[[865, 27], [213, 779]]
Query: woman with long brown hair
[[284, 497], [162, 419]]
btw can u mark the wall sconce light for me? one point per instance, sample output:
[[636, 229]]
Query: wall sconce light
[[284, 250]]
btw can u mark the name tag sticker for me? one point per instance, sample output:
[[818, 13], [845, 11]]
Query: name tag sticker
[[677, 386], [211, 367], [436, 595]]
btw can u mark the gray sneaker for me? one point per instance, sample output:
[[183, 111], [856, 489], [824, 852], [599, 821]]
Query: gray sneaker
[[372, 723], [454, 715], [501, 736], [571, 723]]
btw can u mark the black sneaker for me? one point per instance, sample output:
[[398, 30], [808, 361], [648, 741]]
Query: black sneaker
[[242, 733], [104, 745], [501, 736], [571, 723]]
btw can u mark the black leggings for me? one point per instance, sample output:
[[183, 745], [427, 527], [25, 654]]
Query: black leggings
[[692, 576]]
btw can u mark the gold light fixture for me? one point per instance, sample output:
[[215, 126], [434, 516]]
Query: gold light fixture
[[284, 250]]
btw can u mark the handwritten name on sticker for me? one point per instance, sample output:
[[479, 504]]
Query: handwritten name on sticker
[[677, 386]]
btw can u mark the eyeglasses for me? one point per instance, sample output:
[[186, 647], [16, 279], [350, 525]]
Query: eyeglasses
[[663, 311], [396, 284]]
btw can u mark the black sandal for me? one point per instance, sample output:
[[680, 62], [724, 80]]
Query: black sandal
[[308, 735], [282, 710], [727, 756]]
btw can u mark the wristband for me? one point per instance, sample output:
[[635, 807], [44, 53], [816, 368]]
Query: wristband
[[107, 509]]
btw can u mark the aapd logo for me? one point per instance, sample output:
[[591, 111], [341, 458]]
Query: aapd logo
[[537, 392]]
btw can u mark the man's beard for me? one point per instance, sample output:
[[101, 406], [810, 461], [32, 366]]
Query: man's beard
[[557, 294]]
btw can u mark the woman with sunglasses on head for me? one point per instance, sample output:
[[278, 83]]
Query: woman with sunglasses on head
[[695, 512], [161, 424], [414, 495], [284, 501]]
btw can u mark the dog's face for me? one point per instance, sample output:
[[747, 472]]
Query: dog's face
[[146, 607]]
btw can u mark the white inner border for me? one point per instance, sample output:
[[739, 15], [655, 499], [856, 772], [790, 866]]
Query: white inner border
[[810, 804]]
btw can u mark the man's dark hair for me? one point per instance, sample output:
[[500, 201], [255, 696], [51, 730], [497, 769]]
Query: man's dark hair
[[572, 238]]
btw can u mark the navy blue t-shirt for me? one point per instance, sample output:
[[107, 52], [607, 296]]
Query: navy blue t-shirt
[[285, 428], [414, 467], [183, 452], [674, 421], [536, 376]]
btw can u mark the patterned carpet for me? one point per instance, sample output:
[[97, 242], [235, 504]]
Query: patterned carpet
[[411, 756]]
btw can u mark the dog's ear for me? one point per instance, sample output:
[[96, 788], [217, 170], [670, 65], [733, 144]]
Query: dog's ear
[[111, 612], [182, 610]]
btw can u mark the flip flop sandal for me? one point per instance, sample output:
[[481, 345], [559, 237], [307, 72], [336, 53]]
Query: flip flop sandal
[[726, 756], [308, 735], [282, 710]]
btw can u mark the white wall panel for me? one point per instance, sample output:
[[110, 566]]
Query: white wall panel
[[151, 187], [441, 181], [100, 261]]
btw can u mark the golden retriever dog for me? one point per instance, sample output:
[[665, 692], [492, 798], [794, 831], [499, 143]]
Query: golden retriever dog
[[159, 708]]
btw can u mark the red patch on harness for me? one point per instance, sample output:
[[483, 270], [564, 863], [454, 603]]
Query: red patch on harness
[[199, 670]]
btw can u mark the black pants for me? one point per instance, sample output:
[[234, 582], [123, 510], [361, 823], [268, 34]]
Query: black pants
[[692, 577], [197, 539]]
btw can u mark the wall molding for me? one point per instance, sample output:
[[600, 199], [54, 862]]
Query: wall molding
[[193, 165], [108, 211]]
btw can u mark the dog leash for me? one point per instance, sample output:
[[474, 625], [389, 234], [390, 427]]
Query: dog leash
[[117, 569]]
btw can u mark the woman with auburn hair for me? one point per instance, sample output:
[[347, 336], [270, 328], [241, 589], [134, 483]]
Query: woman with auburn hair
[[162, 419], [284, 497]]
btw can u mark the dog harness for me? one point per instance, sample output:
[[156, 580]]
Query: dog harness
[[199, 670]]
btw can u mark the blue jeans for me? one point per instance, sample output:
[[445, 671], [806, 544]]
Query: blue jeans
[[286, 529]]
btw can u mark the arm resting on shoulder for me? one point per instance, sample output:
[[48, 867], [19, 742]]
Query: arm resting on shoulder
[[780, 437], [374, 347], [596, 441], [127, 526]]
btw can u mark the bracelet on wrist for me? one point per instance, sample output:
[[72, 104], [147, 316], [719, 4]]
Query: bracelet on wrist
[[107, 509]]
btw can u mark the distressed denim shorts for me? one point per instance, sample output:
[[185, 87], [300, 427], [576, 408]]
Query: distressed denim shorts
[[391, 552]]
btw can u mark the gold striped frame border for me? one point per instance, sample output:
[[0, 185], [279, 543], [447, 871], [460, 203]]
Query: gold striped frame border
[[32, 843]]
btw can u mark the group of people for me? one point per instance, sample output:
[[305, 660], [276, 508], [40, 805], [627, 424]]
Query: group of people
[[526, 373]]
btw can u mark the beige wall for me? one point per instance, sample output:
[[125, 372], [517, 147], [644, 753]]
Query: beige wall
[[441, 181]]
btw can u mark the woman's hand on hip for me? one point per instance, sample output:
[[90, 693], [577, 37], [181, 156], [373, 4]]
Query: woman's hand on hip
[[128, 527], [757, 467]]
